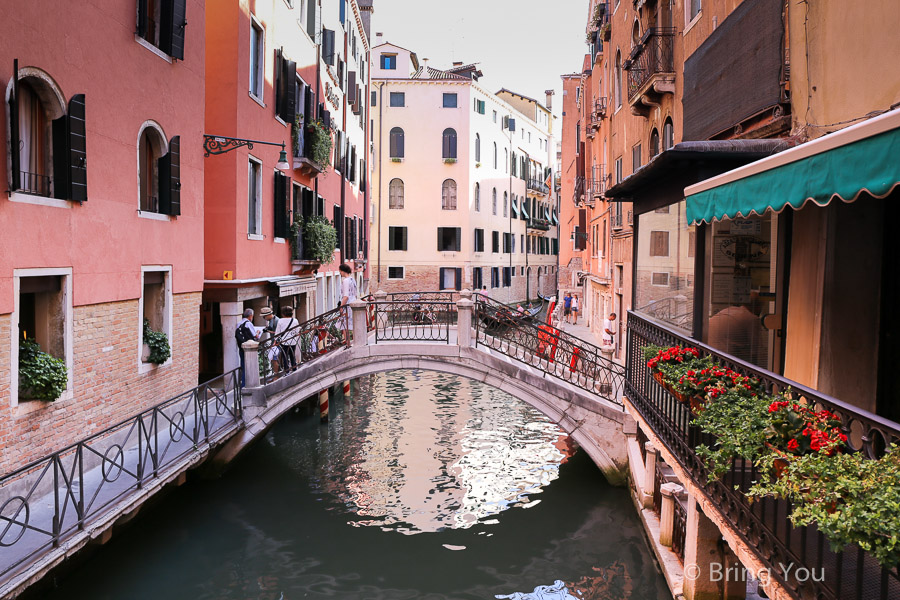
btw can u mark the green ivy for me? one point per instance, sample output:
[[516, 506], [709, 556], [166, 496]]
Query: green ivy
[[320, 143], [159, 344], [320, 239], [41, 376]]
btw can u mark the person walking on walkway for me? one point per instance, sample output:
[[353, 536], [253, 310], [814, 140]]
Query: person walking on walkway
[[609, 332], [574, 309], [287, 329]]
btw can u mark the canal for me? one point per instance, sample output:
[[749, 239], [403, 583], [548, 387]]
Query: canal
[[422, 486]]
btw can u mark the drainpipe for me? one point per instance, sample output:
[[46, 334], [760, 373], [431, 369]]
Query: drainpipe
[[380, 162]]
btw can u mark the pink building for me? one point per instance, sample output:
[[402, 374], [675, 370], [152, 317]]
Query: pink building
[[274, 70], [102, 211]]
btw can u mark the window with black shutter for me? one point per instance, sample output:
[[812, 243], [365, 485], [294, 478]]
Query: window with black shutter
[[479, 240], [507, 276], [495, 241], [338, 222], [170, 179], [396, 142], [328, 46], [162, 23], [449, 143], [285, 88], [311, 25], [282, 203], [449, 239]]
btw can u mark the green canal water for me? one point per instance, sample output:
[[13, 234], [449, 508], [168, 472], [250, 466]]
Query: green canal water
[[422, 486]]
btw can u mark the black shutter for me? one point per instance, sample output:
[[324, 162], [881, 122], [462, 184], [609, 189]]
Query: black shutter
[[311, 20], [308, 101], [169, 167], [457, 242], [308, 203], [353, 246], [338, 225], [285, 97], [279, 208], [77, 179], [279, 81], [328, 46], [141, 18], [60, 135], [172, 23], [458, 278], [14, 129], [351, 87], [405, 238]]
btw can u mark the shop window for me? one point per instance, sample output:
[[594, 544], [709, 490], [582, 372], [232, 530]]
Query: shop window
[[42, 314], [395, 272], [161, 23], [156, 308]]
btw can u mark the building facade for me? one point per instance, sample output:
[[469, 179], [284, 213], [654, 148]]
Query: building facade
[[462, 180], [103, 211], [293, 73]]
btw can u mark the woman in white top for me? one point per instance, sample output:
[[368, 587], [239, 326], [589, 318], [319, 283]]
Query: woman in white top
[[287, 323], [574, 309], [348, 295]]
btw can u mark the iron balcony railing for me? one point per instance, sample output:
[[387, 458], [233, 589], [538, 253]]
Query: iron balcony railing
[[653, 55], [579, 189], [598, 180], [599, 111], [763, 524], [502, 329], [617, 220], [538, 223], [536, 184], [46, 502]]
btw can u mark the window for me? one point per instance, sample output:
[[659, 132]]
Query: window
[[448, 145], [450, 278], [395, 273], [449, 100], [374, 99], [398, 99], [397, 238], [494, 201], [395, 193], [477, 148], [668, 134], [495, 155], [396, 142], [495, 277], [479, 106], [43, 314], [161, 23], [495, 241], [254, 200], [158, 172], [695, 6], [495, 116], [635, 157], [477, 197], [505, 204], [389, 62], [479, 240], [156, 308], [257, 58], [506, 161], [507, 276], [619, 170], [659, 243], [654, 142], [477, 281], [659, 279], [618, 79], [448, 195], [507, 244], [448, 239]]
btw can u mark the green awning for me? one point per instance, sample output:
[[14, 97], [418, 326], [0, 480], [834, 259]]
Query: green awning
[[861, 158], [515, 208], [525, 209]]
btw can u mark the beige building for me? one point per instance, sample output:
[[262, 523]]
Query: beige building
[[461, 182]]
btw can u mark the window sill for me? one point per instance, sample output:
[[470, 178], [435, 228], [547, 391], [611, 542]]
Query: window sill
[[153, 48], [27, 406], [279, 240], [256, 99], [691, 24], [256, 237], [280, 120], [154, 216], [39, 200], [149, 367]]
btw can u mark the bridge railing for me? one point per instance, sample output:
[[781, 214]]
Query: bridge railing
[[764, 523], [47, 501], [421, 316], [548, 349], [306, 341]]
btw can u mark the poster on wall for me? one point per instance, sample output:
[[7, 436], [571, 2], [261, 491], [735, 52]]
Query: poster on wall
[[746, 227]]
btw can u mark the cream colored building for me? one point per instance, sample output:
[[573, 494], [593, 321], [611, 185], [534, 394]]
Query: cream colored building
[[461, 182]]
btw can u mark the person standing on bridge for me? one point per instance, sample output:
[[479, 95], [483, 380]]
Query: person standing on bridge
[[348, 295], [286, 333], [567, 307], [574, 309]]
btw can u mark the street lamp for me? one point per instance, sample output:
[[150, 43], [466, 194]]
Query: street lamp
[[218, 144]]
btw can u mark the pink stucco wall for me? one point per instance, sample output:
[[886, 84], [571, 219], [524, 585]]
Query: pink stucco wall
[[90, 48]]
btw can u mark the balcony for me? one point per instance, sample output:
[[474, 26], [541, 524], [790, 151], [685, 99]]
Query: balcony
[[598, 113], [538, 223], [537, 185], [651, 70], [303, 150], [762, 525], [598, 181], [579, 190]]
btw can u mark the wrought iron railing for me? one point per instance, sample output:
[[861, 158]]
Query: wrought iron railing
[[548, 349], [598, 112], [306, 342], [537, 184], [46, 502], [654, 54], [538, 223], [422, 316], [34, 183], [579, 189], [763, 524], [679, 528]]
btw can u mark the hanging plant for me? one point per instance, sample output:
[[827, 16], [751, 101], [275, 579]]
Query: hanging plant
[[160, 351], [296, 230], [320, 143], [320, 239], [41, 376]]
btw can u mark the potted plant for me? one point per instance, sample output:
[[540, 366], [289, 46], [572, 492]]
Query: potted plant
[[798, 430], [156, 345], [319, 239], [850, 498], [604, 32], [669, 365], [396, 159], [740, 424], [41, 376], [449, 161], [320, 143]]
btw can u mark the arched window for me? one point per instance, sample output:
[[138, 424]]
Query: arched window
[[505, 205], [506, 161], [494, 202], [618, 79], [395, 193], [448, 195], [477, 148], [495, 155], [636, 34], [668, 134], [449, 143], [397, 143], [151, 147], [654, 142], [477, 197]]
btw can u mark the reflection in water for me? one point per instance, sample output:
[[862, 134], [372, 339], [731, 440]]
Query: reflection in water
[[313, 511]]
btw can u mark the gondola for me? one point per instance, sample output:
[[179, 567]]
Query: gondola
[[509, 316]]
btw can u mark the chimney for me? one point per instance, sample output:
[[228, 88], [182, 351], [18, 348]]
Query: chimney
[[550, 94], [425, 65], [457, 63], [378, 37]]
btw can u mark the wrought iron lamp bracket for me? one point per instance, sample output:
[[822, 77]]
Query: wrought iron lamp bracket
[[217, 144]]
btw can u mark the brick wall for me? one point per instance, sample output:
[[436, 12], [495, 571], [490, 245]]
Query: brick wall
[[106, 383]]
